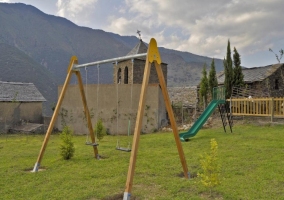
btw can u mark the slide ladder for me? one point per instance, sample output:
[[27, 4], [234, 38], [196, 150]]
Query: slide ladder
[[225, 116]]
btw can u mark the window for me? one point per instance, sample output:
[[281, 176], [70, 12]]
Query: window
[[126, 75], [276, 87], [119, 75]]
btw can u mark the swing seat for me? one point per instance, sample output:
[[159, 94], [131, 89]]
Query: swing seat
[[92, 144], [123, 149]]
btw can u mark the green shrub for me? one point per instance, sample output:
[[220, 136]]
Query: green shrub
[[210, 175], [100, 130], [67, 148]]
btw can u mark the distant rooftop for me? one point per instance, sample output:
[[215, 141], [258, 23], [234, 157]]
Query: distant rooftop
[[254, 74], [22, 92]]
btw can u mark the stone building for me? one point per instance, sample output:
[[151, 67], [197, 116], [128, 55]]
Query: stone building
[[19, 103], [262, 81], [131, 71], [117, 104]]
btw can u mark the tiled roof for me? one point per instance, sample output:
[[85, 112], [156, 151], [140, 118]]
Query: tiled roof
[[254, 74], [23, 92], [139, 48]]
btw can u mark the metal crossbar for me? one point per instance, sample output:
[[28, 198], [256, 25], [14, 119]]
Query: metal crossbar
[[109, 60]]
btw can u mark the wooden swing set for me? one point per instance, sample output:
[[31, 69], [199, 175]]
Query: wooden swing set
[[152, 56]]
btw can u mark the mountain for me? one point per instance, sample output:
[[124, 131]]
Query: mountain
[[16, 66], [50, 41], [184, 68]]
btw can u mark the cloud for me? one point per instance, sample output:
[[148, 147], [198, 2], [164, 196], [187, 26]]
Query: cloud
[[76, 10], [204, 27], [4, 1]]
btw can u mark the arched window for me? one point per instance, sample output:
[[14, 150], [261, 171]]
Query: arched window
[[119, 76], [126, 75], [276, 87]]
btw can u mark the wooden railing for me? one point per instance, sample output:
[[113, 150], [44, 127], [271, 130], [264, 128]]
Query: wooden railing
[[273, 107]]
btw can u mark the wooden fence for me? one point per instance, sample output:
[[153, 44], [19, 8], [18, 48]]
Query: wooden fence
[[273, 107]]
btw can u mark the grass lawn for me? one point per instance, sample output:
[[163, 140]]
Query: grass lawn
[[252, 160]]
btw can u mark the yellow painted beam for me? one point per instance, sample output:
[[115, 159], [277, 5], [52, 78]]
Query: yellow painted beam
[[73, 60], [137, 129], [153, 56], [172, 118]]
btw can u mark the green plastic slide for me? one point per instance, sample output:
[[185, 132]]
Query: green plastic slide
[[200, 121]]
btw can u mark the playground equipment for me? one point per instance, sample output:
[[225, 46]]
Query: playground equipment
[[152, 58], [218, 100], [88, 142]]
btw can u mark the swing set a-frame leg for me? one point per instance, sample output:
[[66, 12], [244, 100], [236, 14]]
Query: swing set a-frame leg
[[172, 119], [73, 61], [152, 56], [87, 113]]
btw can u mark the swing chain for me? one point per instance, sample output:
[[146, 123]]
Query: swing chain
[[128, 149], [87, 138]]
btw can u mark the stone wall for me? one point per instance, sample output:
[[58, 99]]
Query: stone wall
[[122, 66], [186, 96], [184, 102], [116, 113], [15, 113], [274, 84]]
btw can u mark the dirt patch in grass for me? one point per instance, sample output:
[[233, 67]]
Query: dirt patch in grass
[[30, 169], [119, 197], [104, 157], [192, 175]]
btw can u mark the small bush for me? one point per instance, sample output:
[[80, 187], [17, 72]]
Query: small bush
[[100, 130], [67, 148], [210, 175]]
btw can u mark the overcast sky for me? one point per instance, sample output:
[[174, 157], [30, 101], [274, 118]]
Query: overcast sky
[[201, 27]]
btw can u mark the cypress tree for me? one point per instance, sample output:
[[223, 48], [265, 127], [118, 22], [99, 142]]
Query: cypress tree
[[238, 79], [212, 81], [228, 68], [203, 92]]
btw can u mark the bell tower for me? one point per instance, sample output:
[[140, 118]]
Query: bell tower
[[132, 71]]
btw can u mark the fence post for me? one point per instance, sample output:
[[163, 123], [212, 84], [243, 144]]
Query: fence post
[[230, 106], [272, 109], [282, 106]]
